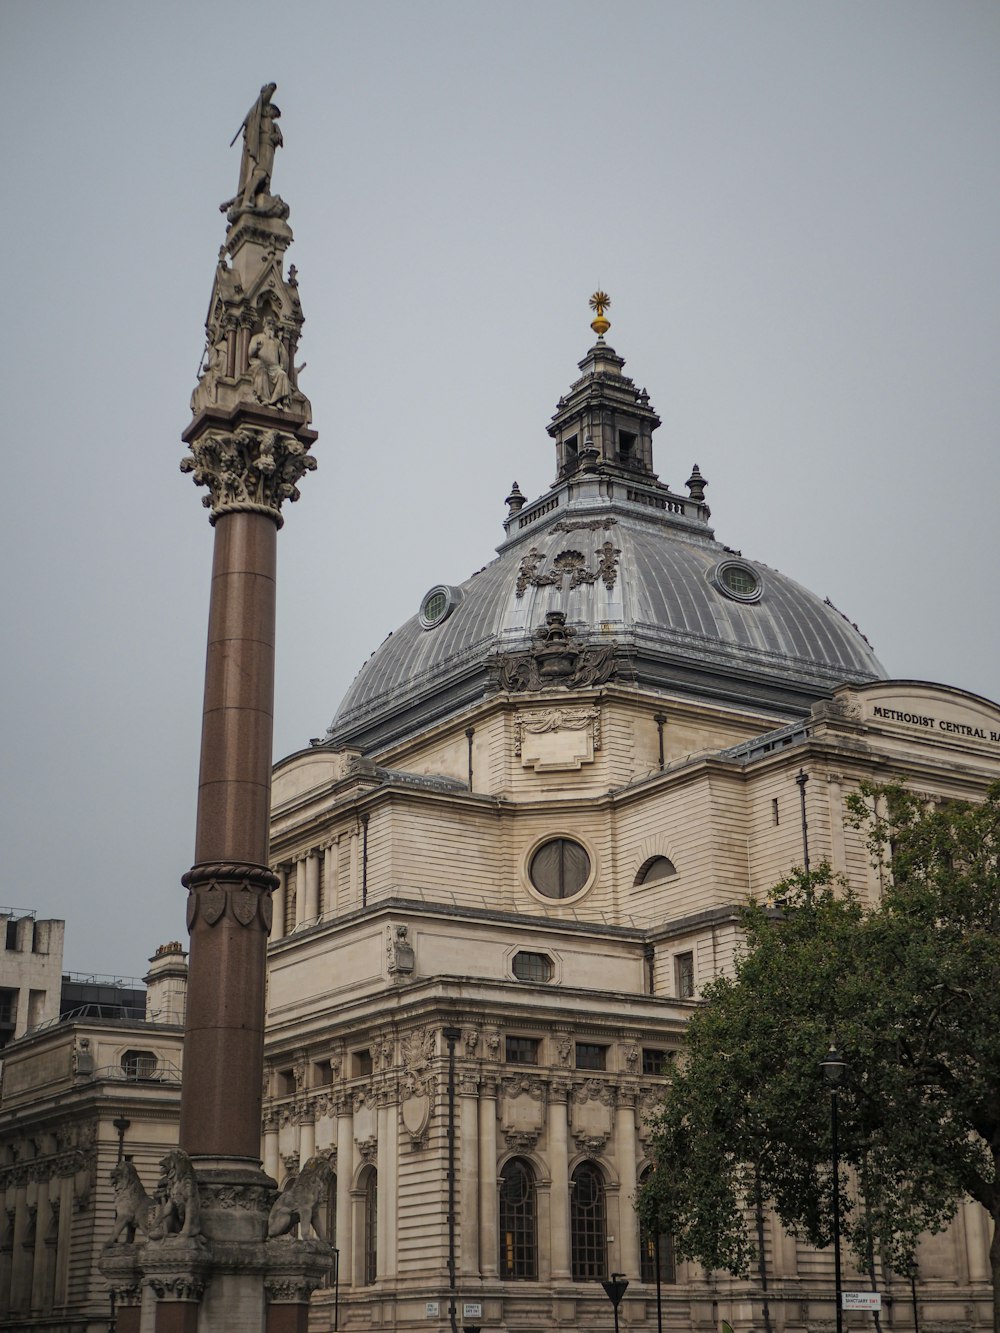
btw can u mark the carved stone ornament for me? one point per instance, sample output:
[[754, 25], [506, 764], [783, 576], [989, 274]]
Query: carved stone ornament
[[399, 951], [556, 659], [591, 1144], [300, 1202], [249, 470], [415, 1113], [520, 1141], [568, 569], [557, 738], [368, 1150], [584, 525], [244, 889]]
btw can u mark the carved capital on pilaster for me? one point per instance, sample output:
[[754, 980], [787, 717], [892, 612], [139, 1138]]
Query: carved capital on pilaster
[[249, 470], [215, 887]]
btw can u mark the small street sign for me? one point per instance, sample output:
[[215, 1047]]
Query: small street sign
[[861, 1300], [472, 1310], [615, 1289]]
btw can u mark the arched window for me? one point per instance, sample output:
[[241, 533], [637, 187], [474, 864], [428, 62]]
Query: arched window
[[657, 867], [588, 1239], [518, 1230], [653, 1248], [371, 1227]]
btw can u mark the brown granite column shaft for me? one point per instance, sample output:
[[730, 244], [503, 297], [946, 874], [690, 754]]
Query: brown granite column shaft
[[176, 1317], [288, 1317], [230, 885]]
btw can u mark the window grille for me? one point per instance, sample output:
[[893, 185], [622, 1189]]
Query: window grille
[[588, 1240], [518, 1226], [371, 1227]]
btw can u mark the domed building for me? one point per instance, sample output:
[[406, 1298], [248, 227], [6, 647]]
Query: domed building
[[515, 861]]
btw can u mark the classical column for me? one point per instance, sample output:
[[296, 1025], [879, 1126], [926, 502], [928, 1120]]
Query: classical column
[[385, 1163], [307, 1135], [41, 1292], [300, 891], [21, 1263], [330, 866], [559, 1168], [468, 1142], [230, 883], [625, 1152], [272, 1162], [488, 1202], [345, 1183], [312, 886], [278, 901]]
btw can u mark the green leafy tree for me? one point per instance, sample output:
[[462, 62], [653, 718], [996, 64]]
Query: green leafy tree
[[909, 990]]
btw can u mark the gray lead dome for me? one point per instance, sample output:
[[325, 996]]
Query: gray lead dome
[[640, 589]]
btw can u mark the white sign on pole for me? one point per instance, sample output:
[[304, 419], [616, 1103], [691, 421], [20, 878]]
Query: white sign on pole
[[472, 1310], [861, 1300]]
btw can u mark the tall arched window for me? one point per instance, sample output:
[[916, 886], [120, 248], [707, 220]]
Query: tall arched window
[[371, 1226], [588, 1238], [653, 1248], [518, 1228]]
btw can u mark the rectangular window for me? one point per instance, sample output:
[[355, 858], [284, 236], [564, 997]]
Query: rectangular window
[[522, 1050], [654, 1061], [362, 1063], [590, 1056], [285, 1082], [775, 815], [684, 975]]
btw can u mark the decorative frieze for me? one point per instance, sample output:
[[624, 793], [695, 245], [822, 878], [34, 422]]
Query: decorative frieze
[[242, 890], [556, 659]]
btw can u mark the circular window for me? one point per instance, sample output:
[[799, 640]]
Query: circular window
[[560, 868], [436, 606], [738, 581]]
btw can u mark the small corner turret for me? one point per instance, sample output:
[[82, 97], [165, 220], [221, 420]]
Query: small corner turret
[[249, 433], [604, 423]]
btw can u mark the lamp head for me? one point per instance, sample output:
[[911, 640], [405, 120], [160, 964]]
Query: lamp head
[[833, 1066]]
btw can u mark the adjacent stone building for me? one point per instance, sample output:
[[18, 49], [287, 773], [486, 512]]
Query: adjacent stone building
[[515, 861], [78, 1093], [31, 954]]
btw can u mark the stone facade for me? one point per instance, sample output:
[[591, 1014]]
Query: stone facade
[[76, 1094], [31, 953], [567, 1008]]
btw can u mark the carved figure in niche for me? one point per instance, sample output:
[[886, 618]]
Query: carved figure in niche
[[269, 366], [132, 1203], [261, 136], [632, 1059], [300, 1202], [399, 950], [178, 1212], [563, 1046]]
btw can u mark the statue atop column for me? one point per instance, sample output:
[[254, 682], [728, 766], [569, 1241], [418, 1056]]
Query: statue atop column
[[261, 136], [254, 313]]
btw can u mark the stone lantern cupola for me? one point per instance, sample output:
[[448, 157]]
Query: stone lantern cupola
[[604, 421]]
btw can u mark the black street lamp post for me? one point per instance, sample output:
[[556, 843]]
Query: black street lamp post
[[833, 1067]]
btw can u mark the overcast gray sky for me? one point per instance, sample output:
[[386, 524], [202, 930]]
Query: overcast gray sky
[[794, 206]]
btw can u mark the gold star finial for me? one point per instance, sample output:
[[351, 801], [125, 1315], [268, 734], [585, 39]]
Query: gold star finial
[[599, 302]]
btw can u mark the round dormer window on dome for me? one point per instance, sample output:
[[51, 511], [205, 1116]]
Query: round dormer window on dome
[[738, 580], [437, 605]]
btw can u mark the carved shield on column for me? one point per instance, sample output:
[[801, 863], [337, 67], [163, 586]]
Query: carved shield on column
[[244, 903], [213, 903], [266, 911], [415, 1112]]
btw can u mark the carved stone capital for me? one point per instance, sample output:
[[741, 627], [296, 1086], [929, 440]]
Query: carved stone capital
[[217, 887], [248, 470]]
